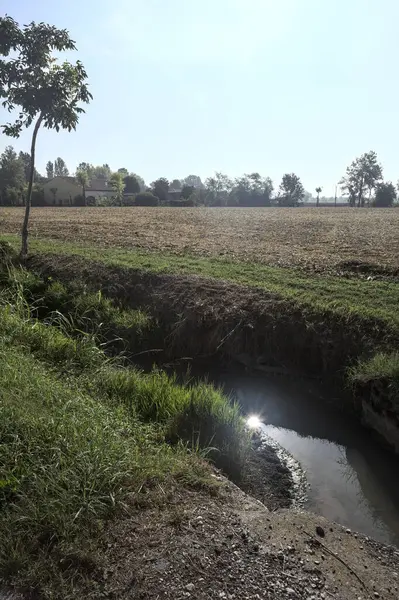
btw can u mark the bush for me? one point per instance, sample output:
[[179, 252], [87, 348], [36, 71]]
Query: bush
[[79, 200], [146, 199], [12, 197], [38, 198]]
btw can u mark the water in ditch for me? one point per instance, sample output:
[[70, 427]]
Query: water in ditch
[[351, 479]]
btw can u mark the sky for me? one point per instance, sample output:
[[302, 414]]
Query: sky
[[196, 86]]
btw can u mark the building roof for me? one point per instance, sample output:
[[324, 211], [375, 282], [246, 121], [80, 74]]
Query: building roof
[[98, 185]]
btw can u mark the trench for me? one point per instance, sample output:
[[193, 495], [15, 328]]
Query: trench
[[350, 478]]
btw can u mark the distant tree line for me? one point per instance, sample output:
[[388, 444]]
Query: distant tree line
[[362, 185]]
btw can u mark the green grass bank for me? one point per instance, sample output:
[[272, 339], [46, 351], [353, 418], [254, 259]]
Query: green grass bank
[[336, 327], [84, 439]]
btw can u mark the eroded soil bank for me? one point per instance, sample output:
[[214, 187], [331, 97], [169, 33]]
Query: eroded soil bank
[[206, 319]]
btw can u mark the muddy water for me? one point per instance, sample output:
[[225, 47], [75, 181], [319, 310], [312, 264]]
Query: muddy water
[[351, 479]]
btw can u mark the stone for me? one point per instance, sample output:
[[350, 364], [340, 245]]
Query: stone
[[190, 587], [320, 531], [289, 590]]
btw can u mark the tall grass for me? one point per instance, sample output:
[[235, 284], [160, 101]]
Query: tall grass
[[197, 413], [76, 309], [67, 463], [381, 366], [83, 439]]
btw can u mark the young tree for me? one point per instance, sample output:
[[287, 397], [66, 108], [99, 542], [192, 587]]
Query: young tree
[[385, 195], [41, 90], [362, 175], [60, 168], [291, 190], [118, 185], [318, 192], [54, 191], [83, 180], [50, 170]]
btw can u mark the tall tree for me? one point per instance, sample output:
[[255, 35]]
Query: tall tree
[[118, 186], [132, 185], [362, 176], [124, 172], [140, 180], [385, 195], [252, 190], [176, 185], [218, 189], [50, 169], [160, 188], [87, 168], [187, 191], [12, 173], [102, 172], [291, 190], [43, 91], [24, 157], [60, 168], [193, 181], [318, 192]]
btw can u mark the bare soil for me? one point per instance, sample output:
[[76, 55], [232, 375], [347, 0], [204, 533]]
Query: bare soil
[[232, 547], [310, 238]]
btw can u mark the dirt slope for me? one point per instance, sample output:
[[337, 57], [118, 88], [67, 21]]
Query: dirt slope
[[232, 547]]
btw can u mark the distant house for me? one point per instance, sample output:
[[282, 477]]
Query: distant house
[[62, 191], [98, 188]]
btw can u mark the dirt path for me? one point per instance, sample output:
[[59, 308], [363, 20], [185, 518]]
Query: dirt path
[[232, 547]]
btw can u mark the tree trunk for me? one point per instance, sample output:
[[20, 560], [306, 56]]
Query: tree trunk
[[24, 245]]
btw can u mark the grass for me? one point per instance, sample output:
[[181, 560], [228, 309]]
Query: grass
[[380, 366], [84, 440], [75, 309], [367, 299], [68, 462]]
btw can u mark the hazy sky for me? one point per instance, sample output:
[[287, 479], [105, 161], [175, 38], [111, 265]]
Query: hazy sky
[[194, 86]]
